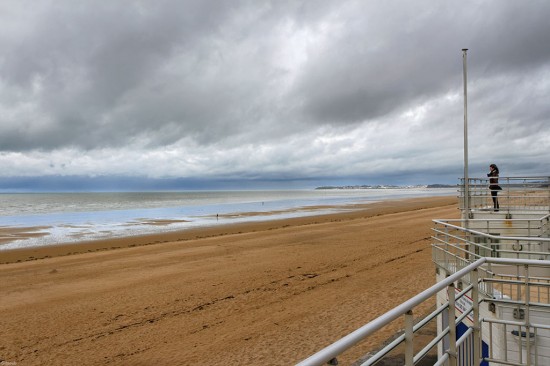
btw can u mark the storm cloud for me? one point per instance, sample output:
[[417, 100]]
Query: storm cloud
[[272, 89]]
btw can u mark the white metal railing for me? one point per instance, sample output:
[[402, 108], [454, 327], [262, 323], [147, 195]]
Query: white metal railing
[[522, 224], [518, 193], [476, 277], [471, 244]]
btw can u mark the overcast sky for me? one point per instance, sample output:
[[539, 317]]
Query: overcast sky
[[347, 91]]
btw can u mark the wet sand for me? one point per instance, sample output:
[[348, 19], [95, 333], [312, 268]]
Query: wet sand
[[263, 293]]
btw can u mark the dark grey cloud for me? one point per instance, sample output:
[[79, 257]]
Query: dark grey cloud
[[87, 59], [269, 88], [388, 59]]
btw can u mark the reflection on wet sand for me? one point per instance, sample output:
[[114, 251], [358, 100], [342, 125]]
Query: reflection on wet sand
[[9, 234]]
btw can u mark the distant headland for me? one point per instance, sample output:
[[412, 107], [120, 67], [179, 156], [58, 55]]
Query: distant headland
[[384, 186]]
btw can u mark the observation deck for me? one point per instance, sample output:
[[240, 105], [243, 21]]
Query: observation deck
[[492, 295]]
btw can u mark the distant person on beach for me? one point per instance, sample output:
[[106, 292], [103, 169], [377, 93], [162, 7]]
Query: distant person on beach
[[493, 185]]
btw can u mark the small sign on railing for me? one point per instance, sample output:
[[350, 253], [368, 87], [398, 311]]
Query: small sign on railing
[[464, 304]]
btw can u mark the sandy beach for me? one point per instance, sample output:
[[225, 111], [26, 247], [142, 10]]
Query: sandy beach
[[262, 293]]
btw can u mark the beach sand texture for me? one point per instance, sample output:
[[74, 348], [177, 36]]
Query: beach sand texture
[[268, 293]]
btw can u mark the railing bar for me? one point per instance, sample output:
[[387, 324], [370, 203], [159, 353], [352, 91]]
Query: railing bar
[[464, 251], [514, 282], [540, 326], [518, 302], [514, 323], [454, 254], [464, 337], [530, 262], [462, 316], [446, 242], [501, 362], [444, 358], [461, 258], [384, 351], [430, 317], [507, 251], [522, 252], [504, 275], [457, 238], [428, 347], [464, 291]]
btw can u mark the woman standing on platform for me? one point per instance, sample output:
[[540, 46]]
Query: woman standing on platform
[[493, 185]]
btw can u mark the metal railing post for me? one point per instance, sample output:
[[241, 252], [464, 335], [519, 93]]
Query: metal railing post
[[477, 326], [508, 199], [527, 318], [409, 349], [452, 325], [447, 242], [490, 288]]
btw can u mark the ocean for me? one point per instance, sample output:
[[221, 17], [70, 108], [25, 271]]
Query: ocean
[[55, 218]]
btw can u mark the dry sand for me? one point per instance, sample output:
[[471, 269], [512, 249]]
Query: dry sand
[[267, 293]]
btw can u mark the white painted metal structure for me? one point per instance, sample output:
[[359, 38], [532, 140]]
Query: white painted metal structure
[[493, 286], [466, 197]]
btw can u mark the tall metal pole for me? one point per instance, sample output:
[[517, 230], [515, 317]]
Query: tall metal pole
[[466, 181]]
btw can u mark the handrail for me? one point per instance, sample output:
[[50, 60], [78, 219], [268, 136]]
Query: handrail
[[333, 350], [496, 237]]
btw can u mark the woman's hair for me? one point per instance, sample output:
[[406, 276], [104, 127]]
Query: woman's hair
[[494, 166]]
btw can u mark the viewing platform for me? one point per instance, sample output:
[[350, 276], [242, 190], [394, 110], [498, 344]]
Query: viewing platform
[[492, 291]]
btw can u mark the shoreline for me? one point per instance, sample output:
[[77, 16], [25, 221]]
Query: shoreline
[[88, 246], [262, 293], [74, 218]]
